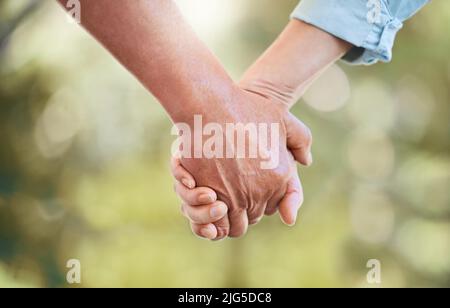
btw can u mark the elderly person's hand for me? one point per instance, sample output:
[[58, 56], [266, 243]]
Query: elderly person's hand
[[244, 189]]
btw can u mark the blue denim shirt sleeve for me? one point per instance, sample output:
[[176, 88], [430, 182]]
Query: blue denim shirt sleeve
[[370, 25]]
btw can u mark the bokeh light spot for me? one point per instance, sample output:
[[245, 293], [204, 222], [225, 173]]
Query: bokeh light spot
[[372, 215], [371, 155], [330, 92]]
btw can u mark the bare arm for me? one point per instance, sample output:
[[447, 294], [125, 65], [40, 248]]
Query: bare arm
[[155, 43], [152, 40], [300, 54]]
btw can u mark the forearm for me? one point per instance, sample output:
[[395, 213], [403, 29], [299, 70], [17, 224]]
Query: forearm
[[293, 62], [154, 42]]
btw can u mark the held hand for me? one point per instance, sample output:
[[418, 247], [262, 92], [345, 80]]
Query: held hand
[[198, 203], [248, 190]]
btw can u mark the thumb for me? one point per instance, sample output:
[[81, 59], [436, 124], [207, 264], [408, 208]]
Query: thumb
[[299, 140], [291, 201]]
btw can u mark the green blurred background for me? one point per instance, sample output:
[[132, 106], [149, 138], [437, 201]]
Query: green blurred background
[[84, 153]]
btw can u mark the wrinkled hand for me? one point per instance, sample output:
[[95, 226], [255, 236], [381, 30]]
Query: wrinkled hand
[[201, 207], [245, 191]]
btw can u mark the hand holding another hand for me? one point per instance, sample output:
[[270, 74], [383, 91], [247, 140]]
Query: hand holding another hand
[[188, 80], [268, 89], [236, 192]]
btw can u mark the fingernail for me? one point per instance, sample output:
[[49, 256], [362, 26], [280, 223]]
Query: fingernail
[[205, 198], [293, 223], [289, 224], [187, 183], [207, 233], [294, 214], [218, 211]]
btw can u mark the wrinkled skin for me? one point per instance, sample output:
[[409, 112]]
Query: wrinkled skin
[[281, 75], [247, 189], [153, 41]]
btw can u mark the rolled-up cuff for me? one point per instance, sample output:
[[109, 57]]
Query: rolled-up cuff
[[371, 29]]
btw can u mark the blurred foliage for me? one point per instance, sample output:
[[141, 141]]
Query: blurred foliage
[[84, 162]]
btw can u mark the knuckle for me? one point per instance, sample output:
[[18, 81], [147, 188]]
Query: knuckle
[[270, 211], [222, 232], [279, 177], [255, 213], [237, 233], [197, 230], [238, 230], [254, 221]]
